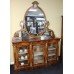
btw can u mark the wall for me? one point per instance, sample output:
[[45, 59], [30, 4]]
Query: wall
[[52, 8]]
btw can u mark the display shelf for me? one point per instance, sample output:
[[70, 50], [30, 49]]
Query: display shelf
[[38, 61], [38, 53], [22, 59], [22, 53], [51, 54], [51, 58], [51, 48]]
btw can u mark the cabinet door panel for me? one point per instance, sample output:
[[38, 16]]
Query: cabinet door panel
[[38, 53], [52, 51], [23, 55]]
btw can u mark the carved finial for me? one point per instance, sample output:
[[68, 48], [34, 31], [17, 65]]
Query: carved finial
[[35, 2]]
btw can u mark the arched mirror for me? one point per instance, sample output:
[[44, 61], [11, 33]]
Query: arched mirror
[[35, 20]]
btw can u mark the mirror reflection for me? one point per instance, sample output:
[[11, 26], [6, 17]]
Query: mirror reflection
[[35, 20]]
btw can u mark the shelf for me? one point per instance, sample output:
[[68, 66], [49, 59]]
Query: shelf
[[52, 59], [22, 59], [38, 53], [38, 57], [22, 53], [38, 61], [51, 54], [51, 48]]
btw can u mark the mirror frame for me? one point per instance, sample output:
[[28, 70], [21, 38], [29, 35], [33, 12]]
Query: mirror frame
[[35, 2]]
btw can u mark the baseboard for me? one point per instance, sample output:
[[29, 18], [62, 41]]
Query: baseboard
[[11, 63]]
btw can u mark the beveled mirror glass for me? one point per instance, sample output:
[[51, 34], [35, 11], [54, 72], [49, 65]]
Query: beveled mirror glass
[[35, 20]]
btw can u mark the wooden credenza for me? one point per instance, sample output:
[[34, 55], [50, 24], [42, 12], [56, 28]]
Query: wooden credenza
[[33, 54]]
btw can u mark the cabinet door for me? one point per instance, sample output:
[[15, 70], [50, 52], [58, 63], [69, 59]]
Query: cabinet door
[[23, 55], [38, 54], [52, 51]]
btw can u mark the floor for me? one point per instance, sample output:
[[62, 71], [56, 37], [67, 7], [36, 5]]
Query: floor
[[54, 69]]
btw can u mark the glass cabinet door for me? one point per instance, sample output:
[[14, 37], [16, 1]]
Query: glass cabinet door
[[52, 51], [38, 51], [23, 55]]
